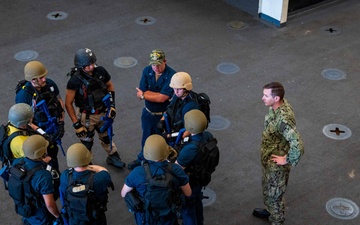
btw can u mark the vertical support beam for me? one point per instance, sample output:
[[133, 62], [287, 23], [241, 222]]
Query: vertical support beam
[[274, 11]]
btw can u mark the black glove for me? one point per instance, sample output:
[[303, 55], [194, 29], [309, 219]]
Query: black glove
[[60, 132], [61, 128], [80, 130], [161, 125]]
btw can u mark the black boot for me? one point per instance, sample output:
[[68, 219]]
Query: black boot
[[115, 160]]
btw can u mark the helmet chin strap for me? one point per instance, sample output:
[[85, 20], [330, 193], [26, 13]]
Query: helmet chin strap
[[186, 92]]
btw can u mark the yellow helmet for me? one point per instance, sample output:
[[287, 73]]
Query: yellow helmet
[[34, 69], [78, 155], [181, 80], [156, 148]]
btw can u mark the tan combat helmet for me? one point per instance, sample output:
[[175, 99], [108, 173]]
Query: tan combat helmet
[[35, 146], [156, 148], [78, 155], [195, 121], [181, 80], [34, 69]]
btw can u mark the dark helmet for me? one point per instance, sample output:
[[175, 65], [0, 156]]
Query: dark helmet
[[84, 57]]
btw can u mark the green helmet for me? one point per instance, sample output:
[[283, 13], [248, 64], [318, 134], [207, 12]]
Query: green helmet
[[78, 155], [195, 121], [156, 148], [34, 69], [20, 114], [35, 146], [181, 80]]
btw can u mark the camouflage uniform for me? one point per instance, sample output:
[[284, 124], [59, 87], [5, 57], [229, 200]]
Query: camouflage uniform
[[280, 137]]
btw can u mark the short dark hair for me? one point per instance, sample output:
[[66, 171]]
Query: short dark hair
[[277, 89]]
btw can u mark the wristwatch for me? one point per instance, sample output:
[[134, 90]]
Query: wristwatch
[[142, 97]]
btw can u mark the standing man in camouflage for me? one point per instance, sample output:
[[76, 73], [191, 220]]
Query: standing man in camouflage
[[281, 148]]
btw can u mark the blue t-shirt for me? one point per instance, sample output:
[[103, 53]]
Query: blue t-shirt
[[137, 178], [162, 85]]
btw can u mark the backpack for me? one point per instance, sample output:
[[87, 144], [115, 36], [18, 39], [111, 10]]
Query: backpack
[[208, 158], [203, 100], [81, 203], [6, 156], [160, 197], [26, 200]]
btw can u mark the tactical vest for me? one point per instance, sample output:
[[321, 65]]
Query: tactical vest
[[174, 111], [92, 91], [47, 94]]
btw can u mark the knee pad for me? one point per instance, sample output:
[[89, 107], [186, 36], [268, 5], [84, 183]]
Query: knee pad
[[88, 144], [105, 139]]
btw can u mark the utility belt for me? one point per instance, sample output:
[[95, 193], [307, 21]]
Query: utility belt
[[94, 111], [154, 113]]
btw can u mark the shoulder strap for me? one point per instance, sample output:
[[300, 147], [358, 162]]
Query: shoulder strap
[[31, 172], [89, 181], [82, 79], [147, 171]]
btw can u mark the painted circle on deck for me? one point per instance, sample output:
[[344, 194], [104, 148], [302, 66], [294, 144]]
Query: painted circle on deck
[[209, 197], [57, 15], [125, 62], [218, 123], [337, 131], [333, 74], [342, 208], [26, 55]]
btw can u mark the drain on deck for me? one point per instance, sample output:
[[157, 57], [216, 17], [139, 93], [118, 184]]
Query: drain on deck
[[331, 30], [333, 74], [228, 68], [337, 131], [236, 25], [219, 123], [57, 15], [209, 197], [145, 20], [125, 62], [26, 55], [342, 208]]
